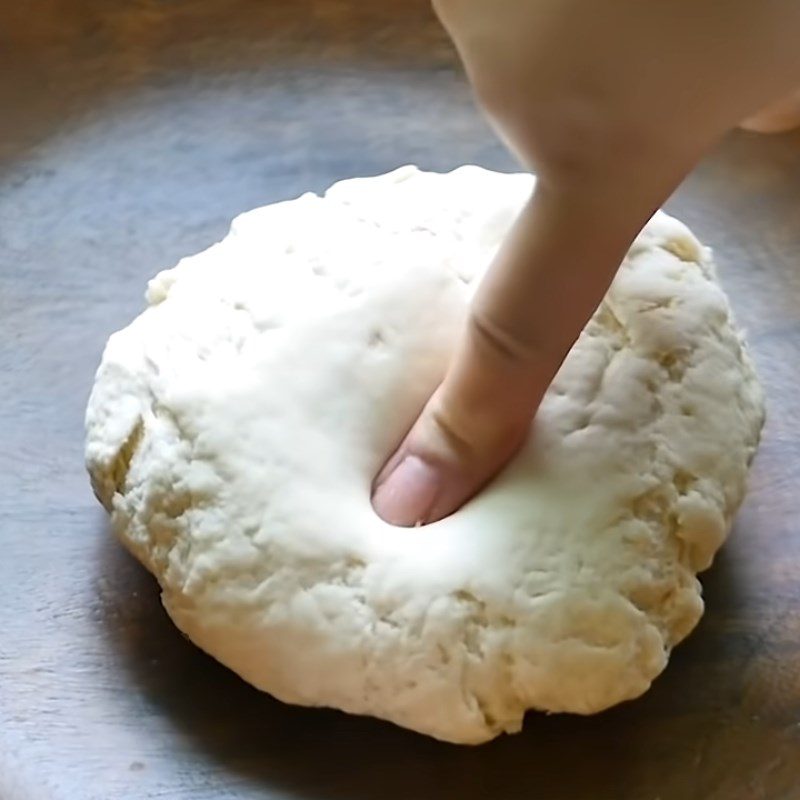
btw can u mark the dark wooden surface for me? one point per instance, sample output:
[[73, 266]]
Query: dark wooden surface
[[130, 133]]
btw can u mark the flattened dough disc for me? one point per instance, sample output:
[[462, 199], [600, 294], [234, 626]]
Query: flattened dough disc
[[235, 427]]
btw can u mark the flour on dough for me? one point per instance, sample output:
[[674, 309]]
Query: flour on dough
[[235, 428]]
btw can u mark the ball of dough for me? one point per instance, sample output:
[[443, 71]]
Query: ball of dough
[[235, 428]]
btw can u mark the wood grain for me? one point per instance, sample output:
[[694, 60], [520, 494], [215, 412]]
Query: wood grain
[[132, 132]]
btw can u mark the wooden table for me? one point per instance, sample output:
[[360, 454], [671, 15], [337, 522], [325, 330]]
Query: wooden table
[[131, 133]]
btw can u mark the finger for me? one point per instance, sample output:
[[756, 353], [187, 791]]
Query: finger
[[546, 281], [776, 118]]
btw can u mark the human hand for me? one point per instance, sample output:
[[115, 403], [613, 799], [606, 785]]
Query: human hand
[[611, 104]]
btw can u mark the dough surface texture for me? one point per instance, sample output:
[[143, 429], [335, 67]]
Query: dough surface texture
[[235, 427]]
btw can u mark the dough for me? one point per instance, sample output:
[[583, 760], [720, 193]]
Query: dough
[[236, 425]]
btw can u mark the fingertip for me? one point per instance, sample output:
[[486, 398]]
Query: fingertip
[[406, 493]]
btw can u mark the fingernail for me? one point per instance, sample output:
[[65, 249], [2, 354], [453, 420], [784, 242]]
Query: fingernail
[[406, 497]]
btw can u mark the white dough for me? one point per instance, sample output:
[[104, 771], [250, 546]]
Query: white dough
[[235, 428]]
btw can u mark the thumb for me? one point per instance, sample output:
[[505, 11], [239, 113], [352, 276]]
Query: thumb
[[546, 281]]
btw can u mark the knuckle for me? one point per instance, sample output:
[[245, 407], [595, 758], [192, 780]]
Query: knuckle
[[502, 343], [474, 438], [453, 432]]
